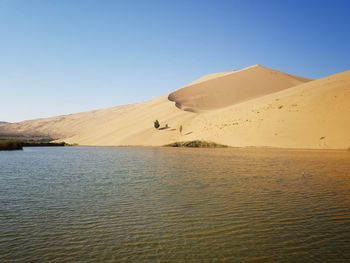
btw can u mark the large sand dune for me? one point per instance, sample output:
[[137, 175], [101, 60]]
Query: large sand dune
[[310, 114], [225, 89]]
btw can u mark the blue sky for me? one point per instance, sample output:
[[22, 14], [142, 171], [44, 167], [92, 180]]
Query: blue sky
[[59, 57]]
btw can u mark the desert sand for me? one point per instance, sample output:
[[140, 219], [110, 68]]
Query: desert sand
[[252, 107], [225, 89]]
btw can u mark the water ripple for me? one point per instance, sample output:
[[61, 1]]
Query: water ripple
[[174, 205]]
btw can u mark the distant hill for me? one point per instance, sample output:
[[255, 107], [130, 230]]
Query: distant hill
[[255, 106]]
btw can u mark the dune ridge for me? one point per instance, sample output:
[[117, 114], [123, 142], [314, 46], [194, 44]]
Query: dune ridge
[[225, 89], [301, 114]]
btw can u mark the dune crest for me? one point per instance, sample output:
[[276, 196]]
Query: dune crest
[[221, 90]]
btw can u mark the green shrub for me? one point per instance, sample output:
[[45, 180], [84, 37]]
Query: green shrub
[[197, 144], [10, 145], [156, 124], [18, 145]]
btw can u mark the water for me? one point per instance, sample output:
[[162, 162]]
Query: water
[[174, 205]]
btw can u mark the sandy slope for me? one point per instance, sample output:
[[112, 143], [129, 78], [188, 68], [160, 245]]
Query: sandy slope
[[313, 115], [225, 89], [65, 125]]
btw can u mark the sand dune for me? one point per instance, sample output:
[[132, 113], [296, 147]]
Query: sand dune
[[311, 114], [225, 89], [315, 115], [65, 125]]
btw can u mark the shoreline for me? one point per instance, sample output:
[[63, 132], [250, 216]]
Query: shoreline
[[258, 148]]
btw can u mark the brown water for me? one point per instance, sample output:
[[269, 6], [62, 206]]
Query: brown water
[[174, 205]]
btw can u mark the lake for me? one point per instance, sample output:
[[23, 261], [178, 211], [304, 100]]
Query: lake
[[110, 204]]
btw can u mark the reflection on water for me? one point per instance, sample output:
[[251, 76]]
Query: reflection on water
[[174, 205]]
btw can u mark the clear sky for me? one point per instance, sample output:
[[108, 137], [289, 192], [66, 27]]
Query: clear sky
[[64, 56]]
